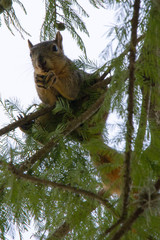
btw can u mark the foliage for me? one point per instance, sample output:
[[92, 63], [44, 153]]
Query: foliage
[[9, 16], [66, 15], [64, 188]]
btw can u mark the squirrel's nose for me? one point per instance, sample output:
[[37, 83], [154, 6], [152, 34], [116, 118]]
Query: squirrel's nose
[[41, 62]]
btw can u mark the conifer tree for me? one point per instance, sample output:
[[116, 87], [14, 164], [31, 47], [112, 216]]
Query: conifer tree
[[69, 179]]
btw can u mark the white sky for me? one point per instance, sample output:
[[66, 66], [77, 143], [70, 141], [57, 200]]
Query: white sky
[[16, 77]]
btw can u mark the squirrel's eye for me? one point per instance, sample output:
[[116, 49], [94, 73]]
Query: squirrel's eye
[[55, 49]]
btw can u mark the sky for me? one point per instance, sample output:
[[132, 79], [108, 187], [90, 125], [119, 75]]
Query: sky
[[16, 78]]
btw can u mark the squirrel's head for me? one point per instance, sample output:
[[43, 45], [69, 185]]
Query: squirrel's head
[[45, 55]]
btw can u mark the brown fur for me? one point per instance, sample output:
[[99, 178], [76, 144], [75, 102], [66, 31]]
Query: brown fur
[[54, 75], [50, 63]]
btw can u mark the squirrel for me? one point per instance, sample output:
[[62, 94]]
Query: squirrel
[[54, 73]]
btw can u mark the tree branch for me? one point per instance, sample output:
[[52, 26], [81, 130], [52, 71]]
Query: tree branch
[[68, 226], [100, 83], [128, 223], [25, 119], [132, 57], [144, 201], [143, 120], [61, 232], [68, 188], [110, 229], [74, 124], [110, 68]]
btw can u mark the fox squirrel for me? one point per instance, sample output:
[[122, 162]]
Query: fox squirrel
[[55, 75]]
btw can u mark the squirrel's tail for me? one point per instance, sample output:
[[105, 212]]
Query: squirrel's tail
[[109, 162]]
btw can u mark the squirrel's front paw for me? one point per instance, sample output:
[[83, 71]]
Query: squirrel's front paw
[[45, 81], [50, 79], [40, 80]]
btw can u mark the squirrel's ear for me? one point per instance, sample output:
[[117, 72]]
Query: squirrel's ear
[[59, 40], [30, 45]]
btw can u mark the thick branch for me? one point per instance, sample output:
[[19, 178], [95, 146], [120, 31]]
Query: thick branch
[[24, 120], [132, 57]]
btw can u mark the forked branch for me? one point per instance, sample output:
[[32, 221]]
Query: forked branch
[[145, 200]]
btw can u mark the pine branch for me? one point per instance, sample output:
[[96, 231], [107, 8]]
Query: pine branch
[[128, 223], [132, 57], [144, 202], [62, 12], [103, 81], [143, 205], [74, 124], [63, 187], [143, 120], [101, 84], [59, 233], [10, 18], [24, 120], [128, 46], [110, 229]]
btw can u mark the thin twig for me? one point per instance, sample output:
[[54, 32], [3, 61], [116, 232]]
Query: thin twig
[[105, 73], [143, 120]]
